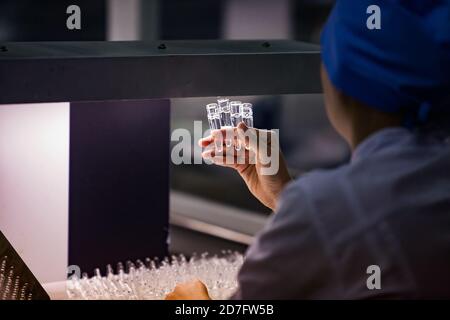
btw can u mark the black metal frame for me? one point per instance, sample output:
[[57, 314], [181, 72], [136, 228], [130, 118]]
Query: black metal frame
[[90, 71]]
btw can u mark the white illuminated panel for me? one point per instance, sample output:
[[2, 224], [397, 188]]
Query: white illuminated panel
[[34, 175]]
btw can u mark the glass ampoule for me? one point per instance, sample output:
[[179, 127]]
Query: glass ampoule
[[236, 118], [247, 114], [225, 116], [214, 121], [236, 112], [213, 116]]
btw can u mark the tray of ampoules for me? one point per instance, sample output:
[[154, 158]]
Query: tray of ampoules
[[153, 279]]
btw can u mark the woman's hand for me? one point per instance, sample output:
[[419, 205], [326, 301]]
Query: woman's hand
[[256, 149], [194, 290]]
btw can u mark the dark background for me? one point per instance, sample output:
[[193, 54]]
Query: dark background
[[37, 20], [45, 20]]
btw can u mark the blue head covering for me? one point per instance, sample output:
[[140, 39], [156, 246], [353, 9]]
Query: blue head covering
[[405, 64]]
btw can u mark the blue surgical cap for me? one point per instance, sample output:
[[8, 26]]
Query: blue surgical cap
[[404, 64]]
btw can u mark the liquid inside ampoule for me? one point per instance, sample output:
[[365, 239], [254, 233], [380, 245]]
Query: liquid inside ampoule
[[236, 112], [248, 122], [224, 111], [236, 119], [225, 117], [213, 115], [214, 122], [247, 114]]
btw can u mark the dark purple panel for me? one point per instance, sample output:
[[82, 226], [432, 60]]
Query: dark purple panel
[[119, 181]]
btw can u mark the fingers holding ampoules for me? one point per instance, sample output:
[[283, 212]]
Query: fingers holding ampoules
[[226, 157], [243, 144], [220, 152], [224, 137]]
